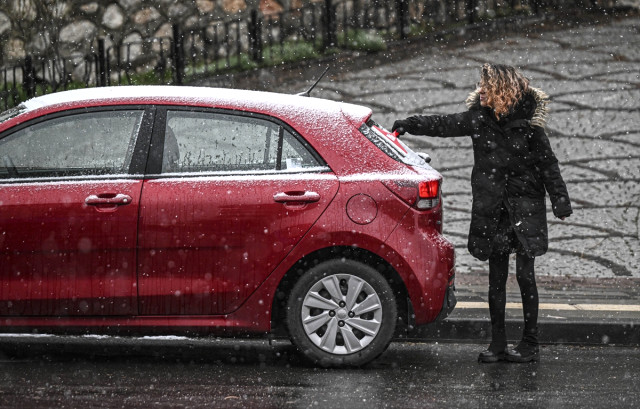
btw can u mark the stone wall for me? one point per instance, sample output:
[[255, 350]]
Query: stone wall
[[68, 28]]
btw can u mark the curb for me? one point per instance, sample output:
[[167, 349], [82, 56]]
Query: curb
[[585, 311], [625, 333]]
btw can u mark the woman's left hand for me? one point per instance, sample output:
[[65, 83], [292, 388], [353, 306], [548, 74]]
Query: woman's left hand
[[398, 126]]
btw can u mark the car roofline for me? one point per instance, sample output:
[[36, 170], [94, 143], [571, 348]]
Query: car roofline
[[259, 101]]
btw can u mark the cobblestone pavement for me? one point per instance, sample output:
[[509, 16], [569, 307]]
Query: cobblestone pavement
[[592, 74]]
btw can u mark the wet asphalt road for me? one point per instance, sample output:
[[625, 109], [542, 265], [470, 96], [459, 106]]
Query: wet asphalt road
[[114, 373]]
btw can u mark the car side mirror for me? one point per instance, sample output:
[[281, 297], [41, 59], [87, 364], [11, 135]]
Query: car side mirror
[[425, 157]]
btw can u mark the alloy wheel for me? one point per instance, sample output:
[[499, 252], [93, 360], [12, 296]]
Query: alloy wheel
[[341, 314]]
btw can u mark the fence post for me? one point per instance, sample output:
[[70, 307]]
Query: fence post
[[401, 18], [471, 11], [177, 50], [29, 77], [255, 36], [535, 7], [101, 67], [330, 38], [355, 18]]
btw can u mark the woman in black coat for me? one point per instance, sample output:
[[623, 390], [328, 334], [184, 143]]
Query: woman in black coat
[[513, 167]]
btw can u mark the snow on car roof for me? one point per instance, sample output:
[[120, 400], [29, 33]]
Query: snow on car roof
[[234, 98]]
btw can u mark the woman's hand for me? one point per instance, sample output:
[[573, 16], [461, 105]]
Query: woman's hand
[[399, 126]]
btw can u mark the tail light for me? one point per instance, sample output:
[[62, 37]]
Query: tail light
[[428, 194], [422, 195]]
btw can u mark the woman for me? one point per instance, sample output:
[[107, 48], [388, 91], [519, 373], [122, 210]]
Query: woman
[[513, 166]]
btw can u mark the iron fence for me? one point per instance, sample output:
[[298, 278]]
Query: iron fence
[[253, 40]]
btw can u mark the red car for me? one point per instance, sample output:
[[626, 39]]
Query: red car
[[198, 210]]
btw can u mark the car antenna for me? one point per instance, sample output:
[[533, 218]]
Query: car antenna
[[308, 92]]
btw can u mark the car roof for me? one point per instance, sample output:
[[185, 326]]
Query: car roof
[[282, 105]]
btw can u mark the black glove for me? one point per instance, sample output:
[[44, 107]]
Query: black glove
[[399, 126], [562, 207]]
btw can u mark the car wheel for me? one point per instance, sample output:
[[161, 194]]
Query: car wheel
[[342, 312]]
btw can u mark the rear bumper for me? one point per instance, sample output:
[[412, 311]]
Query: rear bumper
[[426, 263], [449, 302]]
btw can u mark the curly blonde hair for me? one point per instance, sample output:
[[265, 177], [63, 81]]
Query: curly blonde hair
[[504, 86]]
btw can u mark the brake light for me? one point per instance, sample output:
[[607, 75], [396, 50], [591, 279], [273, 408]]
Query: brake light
[[429, 189], [428, 194], [420, 194]]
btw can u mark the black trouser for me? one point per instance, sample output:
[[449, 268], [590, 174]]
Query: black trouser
[[498, 272]]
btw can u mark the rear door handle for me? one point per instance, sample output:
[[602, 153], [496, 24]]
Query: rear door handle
[[299, 197], [119, 199]]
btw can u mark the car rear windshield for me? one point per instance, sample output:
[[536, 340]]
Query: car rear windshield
[[11, 112], [390, 144]]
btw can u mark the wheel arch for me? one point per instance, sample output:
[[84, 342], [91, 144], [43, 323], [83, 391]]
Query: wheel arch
[[311, 260]]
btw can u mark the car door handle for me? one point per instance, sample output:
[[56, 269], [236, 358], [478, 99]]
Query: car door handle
[[305, 197], [108, 199]]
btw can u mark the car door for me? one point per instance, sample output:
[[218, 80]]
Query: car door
[[68, 213], [227, 198]]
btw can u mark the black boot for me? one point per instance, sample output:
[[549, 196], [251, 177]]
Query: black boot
[[495, 353], [498, 272], [488, 356], [527, 350]]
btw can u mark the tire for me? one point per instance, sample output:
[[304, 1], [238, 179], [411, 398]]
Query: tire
[[341, 313]]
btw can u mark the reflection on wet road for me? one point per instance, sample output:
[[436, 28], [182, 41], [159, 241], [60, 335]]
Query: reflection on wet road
[[147, 373]]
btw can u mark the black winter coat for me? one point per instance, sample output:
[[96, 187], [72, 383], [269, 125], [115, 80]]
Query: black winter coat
[[513, 166]]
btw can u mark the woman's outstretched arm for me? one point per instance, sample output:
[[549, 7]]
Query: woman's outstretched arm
[[460, 124]]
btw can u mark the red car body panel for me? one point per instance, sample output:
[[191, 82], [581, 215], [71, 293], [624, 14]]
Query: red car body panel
[[202, 257], [204, 264], [66, 257]]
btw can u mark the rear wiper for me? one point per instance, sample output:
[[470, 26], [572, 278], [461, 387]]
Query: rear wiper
[[425, 156]]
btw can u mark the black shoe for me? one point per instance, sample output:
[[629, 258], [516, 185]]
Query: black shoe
[[527, 350], [523, 353], [489, 356]]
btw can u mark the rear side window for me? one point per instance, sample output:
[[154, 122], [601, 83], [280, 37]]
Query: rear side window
[[215, 142], [88, 143], [390, 144]]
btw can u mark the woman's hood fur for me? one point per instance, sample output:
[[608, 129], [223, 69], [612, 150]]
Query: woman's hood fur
[[539, 116]]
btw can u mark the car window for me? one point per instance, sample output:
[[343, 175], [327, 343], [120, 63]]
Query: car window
[[11, 112], [390, 144], [89, 143], [214, 142]]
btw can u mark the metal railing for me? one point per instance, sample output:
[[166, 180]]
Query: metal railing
[[253, 40]]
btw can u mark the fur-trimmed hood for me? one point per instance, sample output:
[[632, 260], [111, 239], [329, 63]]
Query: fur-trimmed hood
[[534, 106]]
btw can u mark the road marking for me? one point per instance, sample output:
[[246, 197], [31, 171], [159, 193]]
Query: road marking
[[556, 307]]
